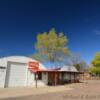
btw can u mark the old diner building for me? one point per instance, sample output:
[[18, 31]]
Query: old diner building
[[21, 71]]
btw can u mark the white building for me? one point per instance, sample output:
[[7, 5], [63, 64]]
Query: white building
[[14, 72]]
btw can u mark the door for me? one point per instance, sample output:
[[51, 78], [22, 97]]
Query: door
[[53, 78], [16, 74]]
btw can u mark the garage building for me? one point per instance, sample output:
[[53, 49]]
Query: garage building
[[14, 72], [20, 71]]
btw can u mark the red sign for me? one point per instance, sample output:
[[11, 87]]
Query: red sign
[[34, 66]]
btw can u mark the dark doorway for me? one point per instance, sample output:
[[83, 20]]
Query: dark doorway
[[53, 78]]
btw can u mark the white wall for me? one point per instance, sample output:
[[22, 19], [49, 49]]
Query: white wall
[[45, 77], [32, 81], [2, 77], [30, 77]]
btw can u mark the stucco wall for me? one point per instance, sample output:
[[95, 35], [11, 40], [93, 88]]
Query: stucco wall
[[45, 78], [2, 77], [30, 80]]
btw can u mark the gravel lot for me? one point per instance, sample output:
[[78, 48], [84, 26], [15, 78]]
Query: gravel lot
[[89, 90]]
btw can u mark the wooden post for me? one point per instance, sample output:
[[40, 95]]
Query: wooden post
[[70, 78], [83, 76], [74, 78], [36, 77], [55, 78]]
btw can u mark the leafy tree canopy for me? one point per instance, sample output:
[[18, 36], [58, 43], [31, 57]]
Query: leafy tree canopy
[[51, 46], [96, 64], [77, 66], [95, 70], [96, 60]]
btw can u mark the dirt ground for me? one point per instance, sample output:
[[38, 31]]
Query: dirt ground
[[26, 91], [89, 90]]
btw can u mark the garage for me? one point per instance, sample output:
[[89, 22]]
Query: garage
[[16, 74]]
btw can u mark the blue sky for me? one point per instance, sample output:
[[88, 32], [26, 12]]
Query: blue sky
[[21, 20]]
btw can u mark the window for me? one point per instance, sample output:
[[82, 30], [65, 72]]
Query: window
[[40, 76], [2, 67]]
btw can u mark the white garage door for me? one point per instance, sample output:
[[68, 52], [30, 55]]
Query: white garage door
[[16, 75]]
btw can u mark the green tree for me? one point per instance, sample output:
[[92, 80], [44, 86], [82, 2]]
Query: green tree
[[96, 61], [96, 64], [51, 46], [77, 66]]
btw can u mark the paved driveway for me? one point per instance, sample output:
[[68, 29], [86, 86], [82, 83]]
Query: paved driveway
[[84, 91]]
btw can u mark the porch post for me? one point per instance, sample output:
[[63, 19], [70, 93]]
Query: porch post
[[74, 78], [36, 77], [70, 77], [55, 74]]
